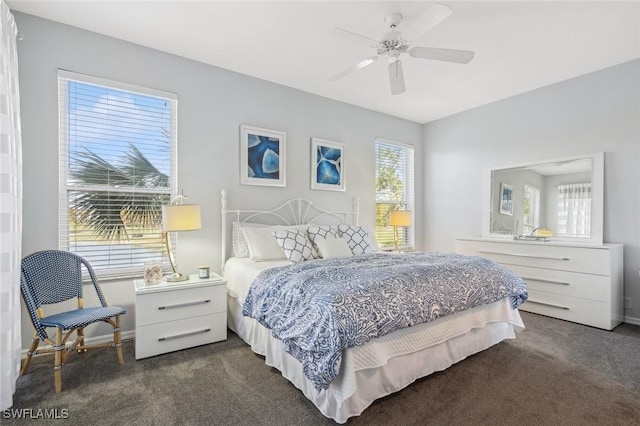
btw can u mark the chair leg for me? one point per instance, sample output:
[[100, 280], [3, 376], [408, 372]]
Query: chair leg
[[30, 352], [58, 361], [80, 332], [117, 340]]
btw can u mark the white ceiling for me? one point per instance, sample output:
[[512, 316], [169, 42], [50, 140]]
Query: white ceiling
[[519, 46]]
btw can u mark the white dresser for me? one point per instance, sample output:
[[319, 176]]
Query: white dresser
[[173, 316], [578, 283]]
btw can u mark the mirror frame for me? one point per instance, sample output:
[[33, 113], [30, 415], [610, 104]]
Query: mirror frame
[[597, 200]]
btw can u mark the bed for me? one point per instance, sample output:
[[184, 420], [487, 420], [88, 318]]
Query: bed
[[377, 365]]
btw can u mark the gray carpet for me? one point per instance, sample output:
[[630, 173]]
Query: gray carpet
[[554, 373]]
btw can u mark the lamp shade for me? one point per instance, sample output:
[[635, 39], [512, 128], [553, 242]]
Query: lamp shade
[[181, 217], [399, 218]]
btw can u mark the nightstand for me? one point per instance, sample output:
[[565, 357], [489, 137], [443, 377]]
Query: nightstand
[[174, 316]]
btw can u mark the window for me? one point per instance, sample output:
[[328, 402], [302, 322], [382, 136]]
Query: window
[[394, 190], [117, 168], [531, 218], [574, 209]]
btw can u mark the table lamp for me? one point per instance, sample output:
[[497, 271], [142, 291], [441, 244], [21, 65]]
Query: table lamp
[[175, 218], [399, 218]]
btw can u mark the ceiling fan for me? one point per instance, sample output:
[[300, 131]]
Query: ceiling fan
[[393, 44]]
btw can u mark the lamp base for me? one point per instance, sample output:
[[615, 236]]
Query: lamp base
[[176, 277], [395, 238]]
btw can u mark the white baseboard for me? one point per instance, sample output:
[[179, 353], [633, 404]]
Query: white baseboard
[[105, 338], [632, 320]]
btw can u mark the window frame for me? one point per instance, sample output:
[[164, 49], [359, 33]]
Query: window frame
[[406, 235], [528, 228], [64, 188]]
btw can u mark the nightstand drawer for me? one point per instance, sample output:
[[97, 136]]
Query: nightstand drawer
[[180, 334], [166, 306]]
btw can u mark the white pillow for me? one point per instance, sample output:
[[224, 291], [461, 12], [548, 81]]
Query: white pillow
[[322, 232], [295, 245], [261, 244], [360, 239], [239, 244], [333, 247]]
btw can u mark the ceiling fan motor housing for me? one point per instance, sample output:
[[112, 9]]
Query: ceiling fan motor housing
[[393, 20], [392, 44]]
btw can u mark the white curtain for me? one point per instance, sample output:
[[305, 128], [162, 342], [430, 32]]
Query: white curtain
[[10, 208], [574, 209]]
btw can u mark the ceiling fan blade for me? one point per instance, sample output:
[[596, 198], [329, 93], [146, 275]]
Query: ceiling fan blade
[[427, 21], [396, 77], [438, 54], [355, 37], [356, 67]]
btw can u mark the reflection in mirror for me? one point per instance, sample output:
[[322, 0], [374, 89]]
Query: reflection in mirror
[[548, 200]]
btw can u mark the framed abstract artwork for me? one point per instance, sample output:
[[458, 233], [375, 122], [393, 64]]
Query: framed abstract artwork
[[327, 165], [262, 156], [506, 199]]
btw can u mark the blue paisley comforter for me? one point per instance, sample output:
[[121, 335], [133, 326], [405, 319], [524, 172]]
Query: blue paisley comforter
[[317, 308]]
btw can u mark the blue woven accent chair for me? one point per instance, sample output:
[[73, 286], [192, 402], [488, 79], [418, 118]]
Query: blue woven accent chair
[[54, 276]]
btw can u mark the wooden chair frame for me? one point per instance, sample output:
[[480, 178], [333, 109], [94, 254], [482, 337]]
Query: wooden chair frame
[[60, 346]]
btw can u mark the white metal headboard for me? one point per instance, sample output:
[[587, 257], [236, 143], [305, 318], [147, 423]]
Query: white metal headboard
[[297, 211]]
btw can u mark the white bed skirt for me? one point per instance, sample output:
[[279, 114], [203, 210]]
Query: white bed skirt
[[387, 364]]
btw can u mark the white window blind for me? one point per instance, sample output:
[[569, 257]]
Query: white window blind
[[394, 190], [574, 209], [117, 168]]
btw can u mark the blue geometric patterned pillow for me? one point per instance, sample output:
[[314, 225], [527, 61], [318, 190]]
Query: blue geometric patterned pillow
[[295, 245], [358, 239], [322, 233]]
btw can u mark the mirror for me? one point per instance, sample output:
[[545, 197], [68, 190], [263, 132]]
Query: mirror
[[553, 200]]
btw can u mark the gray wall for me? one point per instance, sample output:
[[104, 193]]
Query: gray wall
[[595, 112], [212, 103]]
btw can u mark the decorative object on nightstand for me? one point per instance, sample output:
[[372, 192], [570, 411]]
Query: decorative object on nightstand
[[177, 315], [178, 217], [399, 218], [153, 272], [204, 271]]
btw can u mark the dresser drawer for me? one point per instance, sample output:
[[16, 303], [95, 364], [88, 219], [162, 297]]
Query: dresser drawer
[[540, 255], [180, 334], [586, 286], [583, 311], [166, 306]]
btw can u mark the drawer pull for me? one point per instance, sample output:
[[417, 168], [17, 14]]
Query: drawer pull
[[548, 304], [181, 305], [545, 280], [190, 333], [523, 255]]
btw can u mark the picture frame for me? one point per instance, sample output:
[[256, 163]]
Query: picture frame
[[327, 165], [262, 156], [506, 199]]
